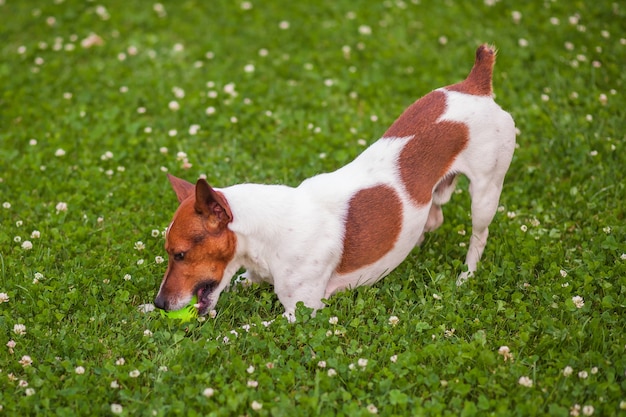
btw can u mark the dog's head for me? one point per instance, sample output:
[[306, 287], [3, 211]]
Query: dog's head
[[199, 245]]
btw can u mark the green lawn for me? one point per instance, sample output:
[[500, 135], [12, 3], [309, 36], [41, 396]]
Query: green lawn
[[98, 100]]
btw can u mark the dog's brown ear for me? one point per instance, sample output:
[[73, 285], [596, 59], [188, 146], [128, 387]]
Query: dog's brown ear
[[212, 204], [182, 188]]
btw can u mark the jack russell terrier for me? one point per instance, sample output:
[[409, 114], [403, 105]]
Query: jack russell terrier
[[353, 226]]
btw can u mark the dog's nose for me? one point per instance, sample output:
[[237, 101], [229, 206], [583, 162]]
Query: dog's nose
[[161, 302]]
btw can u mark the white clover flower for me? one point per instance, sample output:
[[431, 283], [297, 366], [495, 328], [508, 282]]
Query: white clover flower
[[506, 353], [567, 371], [362, 362], [194, 129], [59, 152], [116, 409], [588, 410], [284, 25], [159, 259], [563, 273], [4, 297], [333, 320], [372, 409], [120, 361], [61, 207], [178, 92], [365, 30], [19, 329], [25, 361], [394, 358], [106, 156], [139, 245], [27, 245], [147, 333], [134, 374], [79, 370], [583, 375], [578, 301], [331, 372], [252, 384], [114, 384], [256, 406], [525, 381], [321, 364], [36, 234], [394, 320], [230, 89], [29, 391], [250, 369], [208, 392]]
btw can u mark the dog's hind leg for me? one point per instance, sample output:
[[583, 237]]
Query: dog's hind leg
[[441, 195], [485, 198]]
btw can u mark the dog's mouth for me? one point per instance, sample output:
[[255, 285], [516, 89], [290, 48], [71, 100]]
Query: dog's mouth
[[204, 291]]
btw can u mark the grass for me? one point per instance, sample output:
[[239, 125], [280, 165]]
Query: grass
[[282, 91]]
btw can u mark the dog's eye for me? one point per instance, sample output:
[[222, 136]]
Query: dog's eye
[[179, 256]]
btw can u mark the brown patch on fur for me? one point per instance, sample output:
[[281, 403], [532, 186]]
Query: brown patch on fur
[[373, 224], [199, 245], [427, 157], [479, 80]]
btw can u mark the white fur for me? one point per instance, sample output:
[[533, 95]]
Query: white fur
[[293, 237]]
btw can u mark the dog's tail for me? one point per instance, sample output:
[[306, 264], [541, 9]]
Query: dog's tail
[[478, 82]]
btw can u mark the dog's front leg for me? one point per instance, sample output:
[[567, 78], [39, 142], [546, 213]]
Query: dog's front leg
[[306, 286]]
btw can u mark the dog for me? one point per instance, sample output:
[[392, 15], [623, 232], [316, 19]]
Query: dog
[[353, 226]]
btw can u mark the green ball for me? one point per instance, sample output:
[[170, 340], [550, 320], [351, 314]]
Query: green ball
[[187, 313]]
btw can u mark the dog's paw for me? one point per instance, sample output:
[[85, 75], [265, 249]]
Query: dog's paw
[[291, 317], [463, 277]]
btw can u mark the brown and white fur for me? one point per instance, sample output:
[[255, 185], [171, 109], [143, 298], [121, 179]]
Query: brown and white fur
[[352, 226]]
